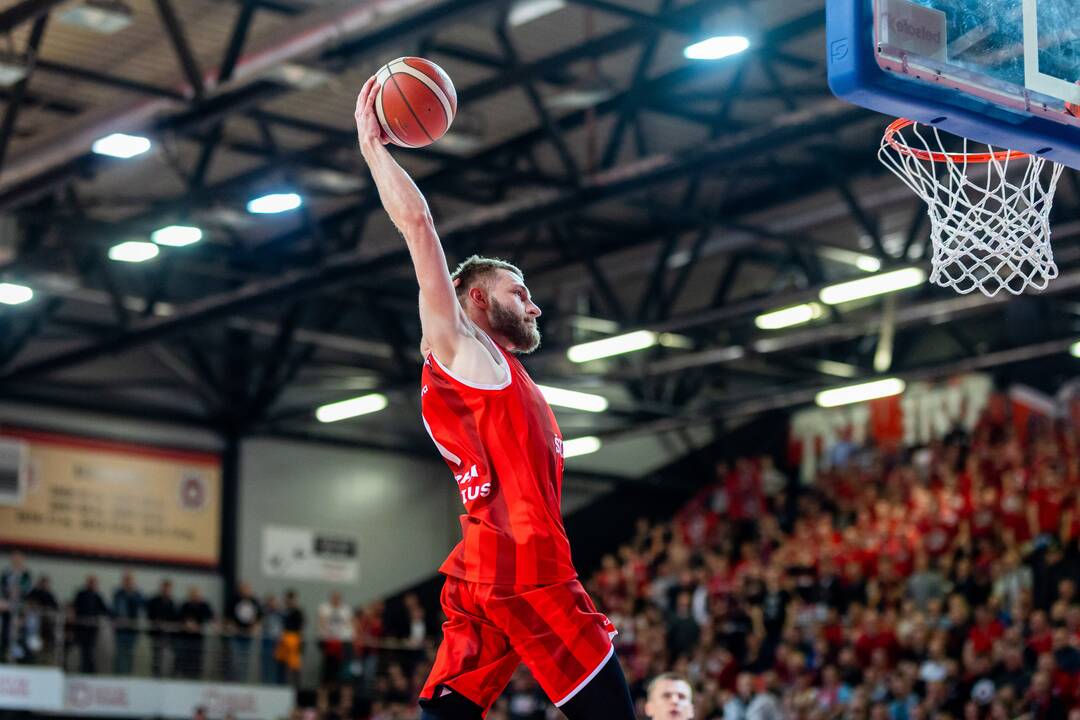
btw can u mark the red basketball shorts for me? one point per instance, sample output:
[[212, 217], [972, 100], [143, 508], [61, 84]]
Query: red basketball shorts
[[554, 629]]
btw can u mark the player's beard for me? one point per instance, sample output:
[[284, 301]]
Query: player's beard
[[521, 332]]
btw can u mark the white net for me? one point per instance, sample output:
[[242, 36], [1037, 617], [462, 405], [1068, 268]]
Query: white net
[[989, 209]]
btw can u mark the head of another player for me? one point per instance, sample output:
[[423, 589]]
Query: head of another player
[[494, 296], [669, 697]]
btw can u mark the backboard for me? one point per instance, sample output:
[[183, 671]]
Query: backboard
[[1000, 72]]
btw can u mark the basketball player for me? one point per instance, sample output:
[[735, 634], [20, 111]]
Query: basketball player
[[511, 593], [669, 697]]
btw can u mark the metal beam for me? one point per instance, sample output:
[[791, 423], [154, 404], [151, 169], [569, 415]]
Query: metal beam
[[25, 11], [181, 47], [18, 94], [349, 268]]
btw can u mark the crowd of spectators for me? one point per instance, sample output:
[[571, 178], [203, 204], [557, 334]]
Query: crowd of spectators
[[263, 640], [901, 584]]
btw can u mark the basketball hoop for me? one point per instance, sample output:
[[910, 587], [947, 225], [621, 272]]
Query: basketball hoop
[[988, 233]]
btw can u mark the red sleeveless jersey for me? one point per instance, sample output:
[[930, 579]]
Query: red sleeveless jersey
[[505, 450]]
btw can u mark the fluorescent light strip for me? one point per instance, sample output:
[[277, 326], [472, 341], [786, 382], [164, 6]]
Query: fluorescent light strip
[[716, 48], [354, 407], [874, 285], [839, 369], [119, 145], [573, 399], [274, 203], [177, 235], [618, 345], [13, 294], [133, 251], [789, 316], [1075, 349], [581, 446], [528, 10], [862, 392]]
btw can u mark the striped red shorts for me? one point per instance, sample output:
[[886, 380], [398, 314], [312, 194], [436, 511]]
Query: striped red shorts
[[490, 629]]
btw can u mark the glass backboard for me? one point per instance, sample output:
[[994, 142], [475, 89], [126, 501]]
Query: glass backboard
[[1002, 72]]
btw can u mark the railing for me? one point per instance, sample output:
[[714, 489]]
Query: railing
[[108, 646]]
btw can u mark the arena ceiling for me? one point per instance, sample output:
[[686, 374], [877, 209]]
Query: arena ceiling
[[638, 190]]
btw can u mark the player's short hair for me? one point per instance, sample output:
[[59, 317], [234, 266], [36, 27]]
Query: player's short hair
[[674, 677], [475, 270]]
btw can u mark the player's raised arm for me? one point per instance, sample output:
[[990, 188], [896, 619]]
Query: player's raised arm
[[441, 317]]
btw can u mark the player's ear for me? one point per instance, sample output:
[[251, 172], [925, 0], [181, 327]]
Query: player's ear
[[479, 297]]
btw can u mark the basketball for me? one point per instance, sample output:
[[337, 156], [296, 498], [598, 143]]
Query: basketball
[[416, 102]]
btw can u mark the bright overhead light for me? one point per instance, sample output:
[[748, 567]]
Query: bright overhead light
[[860, 393], [274, 203], [528, 10], [839, 369], [133, 251], [101, 16], [12, 69], [789, 316], [573, 399], [363, 405], [630, 342], [120, 145], [874, 285], [580, 446], [715, 48], [177, 235], [300, 77], [13, 294], [1075, 349], [866, 263]]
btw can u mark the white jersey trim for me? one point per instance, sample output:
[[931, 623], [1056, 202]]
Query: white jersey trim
[[483, 338], [586, 681], [438, 445]]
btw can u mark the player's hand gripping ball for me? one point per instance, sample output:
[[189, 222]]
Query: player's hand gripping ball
[[415, 101]]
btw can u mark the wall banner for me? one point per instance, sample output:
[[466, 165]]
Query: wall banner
[[306, 554], [115, 500]]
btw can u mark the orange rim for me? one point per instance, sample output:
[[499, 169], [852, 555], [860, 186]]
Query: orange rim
[[896, 126]]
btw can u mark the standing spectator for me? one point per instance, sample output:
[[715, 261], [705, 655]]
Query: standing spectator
[[243, 622], [90, 607], [335, 638], [273, 624], [290, 646], [194, 615], [43, 613], [163, 615], [15, 583], [417, 619], [127, 607]]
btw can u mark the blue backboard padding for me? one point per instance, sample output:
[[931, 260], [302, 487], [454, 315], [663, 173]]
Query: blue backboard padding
[[855, 76]]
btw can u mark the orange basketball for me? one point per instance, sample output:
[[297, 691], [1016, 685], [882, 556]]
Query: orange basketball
[[416, 101]]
